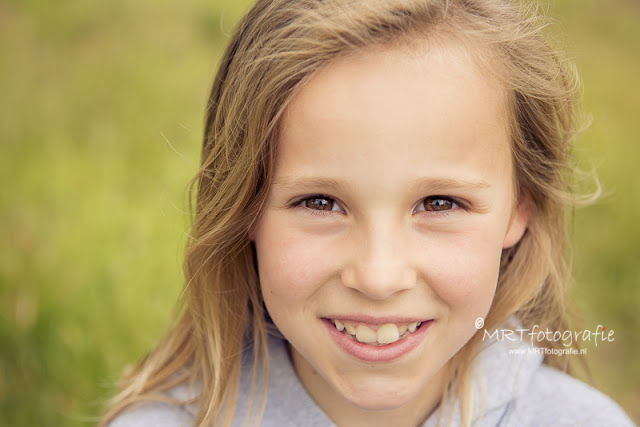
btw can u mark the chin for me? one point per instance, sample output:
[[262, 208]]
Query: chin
[[379, 396], [381, 404]]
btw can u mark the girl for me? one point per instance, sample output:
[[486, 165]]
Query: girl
[[383, 187]]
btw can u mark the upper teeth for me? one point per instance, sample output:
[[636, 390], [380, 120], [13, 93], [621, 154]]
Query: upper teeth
[[386, 334]]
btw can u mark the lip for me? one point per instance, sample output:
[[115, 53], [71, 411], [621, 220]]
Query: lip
[[386, 353]]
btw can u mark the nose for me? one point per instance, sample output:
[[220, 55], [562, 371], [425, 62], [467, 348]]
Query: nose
[[380, 265]]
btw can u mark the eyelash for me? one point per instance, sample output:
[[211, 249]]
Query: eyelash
[[316, 212], [456, 203]]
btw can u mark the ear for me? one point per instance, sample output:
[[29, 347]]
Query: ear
[[519, 221]]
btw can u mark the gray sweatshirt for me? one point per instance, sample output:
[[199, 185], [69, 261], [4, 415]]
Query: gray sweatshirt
[[517, 389]]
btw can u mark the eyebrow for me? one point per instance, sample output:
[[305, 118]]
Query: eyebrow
[[423, 184], [287, 183], [437, 184]]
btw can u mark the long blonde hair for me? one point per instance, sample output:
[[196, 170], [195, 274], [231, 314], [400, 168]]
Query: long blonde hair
[[277, 47]]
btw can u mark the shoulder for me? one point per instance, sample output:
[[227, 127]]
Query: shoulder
[[517, 388], [553, 397], [153, 413], [160, 413], [287, 401]]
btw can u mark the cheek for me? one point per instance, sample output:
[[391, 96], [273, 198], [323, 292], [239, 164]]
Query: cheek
[[291, 265], [468, 272]]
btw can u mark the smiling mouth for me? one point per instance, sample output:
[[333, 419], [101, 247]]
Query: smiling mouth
[[385, 334]]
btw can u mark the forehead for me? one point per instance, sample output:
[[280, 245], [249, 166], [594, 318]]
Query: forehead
[[428, 57], [405, 105]]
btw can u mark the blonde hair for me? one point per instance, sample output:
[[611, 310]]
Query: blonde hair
[[278, 46]]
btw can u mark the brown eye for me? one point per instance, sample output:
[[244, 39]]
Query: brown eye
[[320, 204], [438, 203]]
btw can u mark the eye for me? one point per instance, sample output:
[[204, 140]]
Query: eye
[[437, 204], [320, 204]]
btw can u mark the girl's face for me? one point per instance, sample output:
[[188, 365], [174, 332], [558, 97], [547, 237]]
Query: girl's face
[[391, 203]]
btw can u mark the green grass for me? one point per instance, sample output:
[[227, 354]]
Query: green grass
[[92, 203]]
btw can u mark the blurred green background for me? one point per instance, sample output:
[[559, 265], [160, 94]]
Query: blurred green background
[[100, 127]]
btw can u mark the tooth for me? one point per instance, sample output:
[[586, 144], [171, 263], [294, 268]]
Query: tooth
[[350, 329], [339, 326], [365, 335], [402, 329], [388, 333], [413, 327]]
